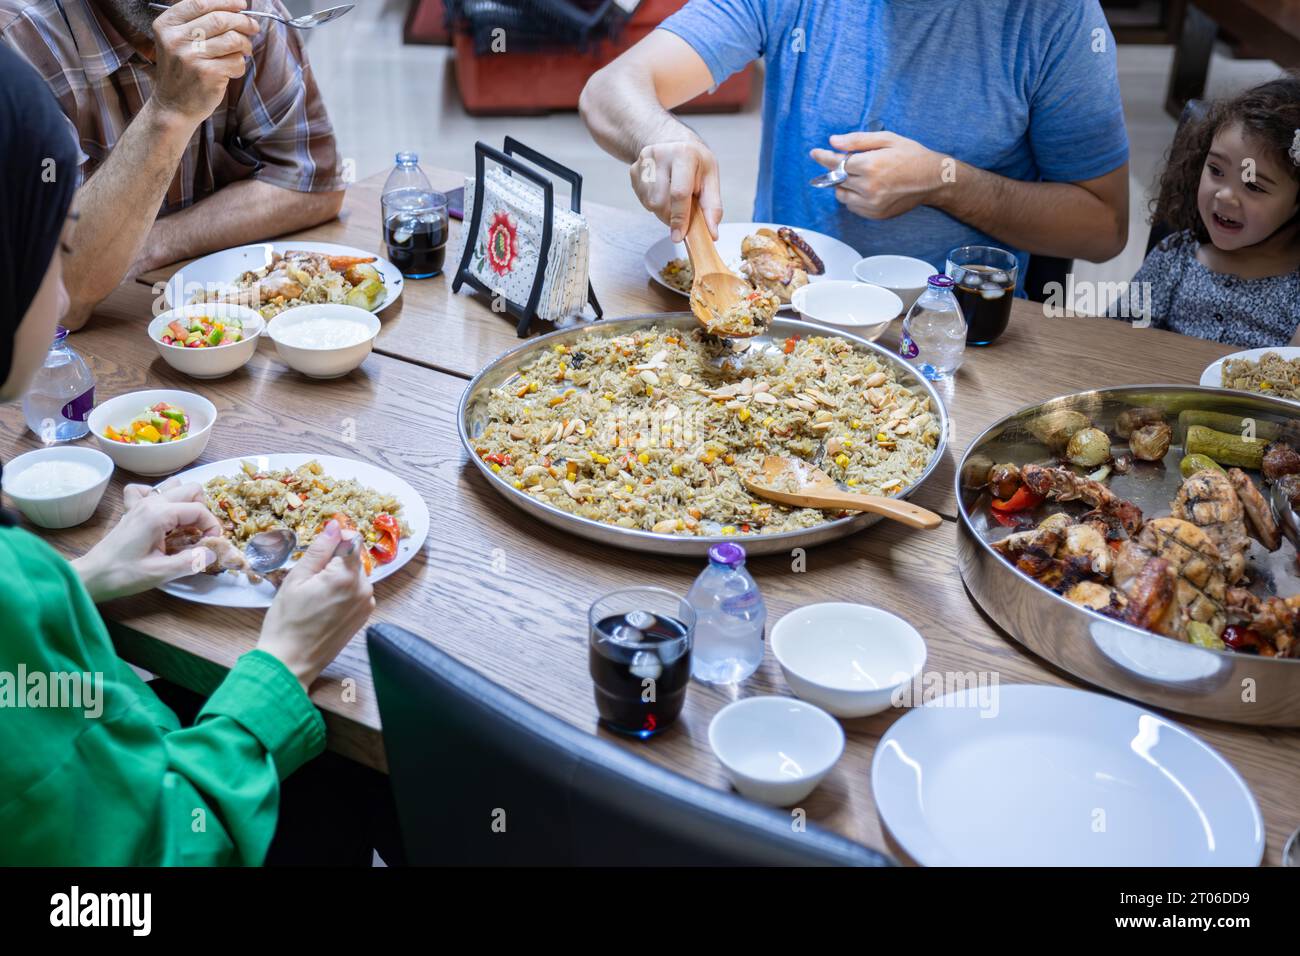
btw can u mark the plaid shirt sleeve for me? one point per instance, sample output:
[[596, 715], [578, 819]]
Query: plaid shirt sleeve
[[281, 118]]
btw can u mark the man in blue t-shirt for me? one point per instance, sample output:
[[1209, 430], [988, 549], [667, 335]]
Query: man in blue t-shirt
[[965, 121]]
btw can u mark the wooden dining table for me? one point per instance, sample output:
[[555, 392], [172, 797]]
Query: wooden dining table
[[509, 594]]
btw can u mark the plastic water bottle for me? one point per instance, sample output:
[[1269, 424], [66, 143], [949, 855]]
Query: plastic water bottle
[[730, 618], [934, 332], [415, 220], [61, 396]]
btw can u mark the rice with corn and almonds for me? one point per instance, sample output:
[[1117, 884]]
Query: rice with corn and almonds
[[652, 429], [302, 499]]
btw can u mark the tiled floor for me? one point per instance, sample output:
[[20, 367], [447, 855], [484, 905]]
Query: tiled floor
[[385, 96]]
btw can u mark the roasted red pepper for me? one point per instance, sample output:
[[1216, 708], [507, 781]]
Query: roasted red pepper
[[1242, 638], [497, 459], [1022, 500], [385, 549], [790, 343]]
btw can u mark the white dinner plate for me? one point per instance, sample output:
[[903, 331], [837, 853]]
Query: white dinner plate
[[1052, 776], [1212, 377], [838, 257], [234, 590], [220, 269]]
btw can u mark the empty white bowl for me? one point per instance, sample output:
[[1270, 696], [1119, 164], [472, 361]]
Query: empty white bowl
[[166, 457], [62, 509], [774, 749], [324, 360], [904, 276], [858, 307], [211, 362], [847, 658]]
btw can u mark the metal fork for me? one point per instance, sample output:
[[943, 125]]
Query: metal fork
[[305, 22]]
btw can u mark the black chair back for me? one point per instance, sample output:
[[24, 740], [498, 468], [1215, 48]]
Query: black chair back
[[482, 777]]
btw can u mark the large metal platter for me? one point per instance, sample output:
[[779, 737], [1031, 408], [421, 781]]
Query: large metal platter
[[472, 417], [1224, 685]]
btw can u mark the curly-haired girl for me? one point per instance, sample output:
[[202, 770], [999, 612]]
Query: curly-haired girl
[[1230, 271]]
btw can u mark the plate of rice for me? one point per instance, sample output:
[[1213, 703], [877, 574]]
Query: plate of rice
[[638, 432], [257, 276], [1273, 372], [301, 492]]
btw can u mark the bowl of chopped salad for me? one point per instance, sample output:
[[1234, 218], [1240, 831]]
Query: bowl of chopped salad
[[208, 339], [154, 432]]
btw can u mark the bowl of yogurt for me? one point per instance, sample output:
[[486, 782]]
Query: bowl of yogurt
[[57, 487], [323, 341]]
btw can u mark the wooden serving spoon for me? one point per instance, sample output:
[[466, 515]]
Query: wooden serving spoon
[[816, 489], [715, 288]]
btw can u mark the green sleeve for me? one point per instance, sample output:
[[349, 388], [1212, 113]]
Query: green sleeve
[[96, 770]]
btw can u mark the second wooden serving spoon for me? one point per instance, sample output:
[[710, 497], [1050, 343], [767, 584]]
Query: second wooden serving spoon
[[792, 481], [715, 288]]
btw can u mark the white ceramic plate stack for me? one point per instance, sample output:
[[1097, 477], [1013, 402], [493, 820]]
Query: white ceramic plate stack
[[234, 590], [838, 257], [221, 269], [1051, 776]]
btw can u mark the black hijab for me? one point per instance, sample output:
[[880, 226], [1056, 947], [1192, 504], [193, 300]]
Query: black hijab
[[38, 175]]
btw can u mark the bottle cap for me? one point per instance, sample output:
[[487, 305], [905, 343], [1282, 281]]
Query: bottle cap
[[941, 282], [404, 159], [60, 333], [732, 555]]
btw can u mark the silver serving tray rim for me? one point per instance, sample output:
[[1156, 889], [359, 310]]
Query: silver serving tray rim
[[507, 363]]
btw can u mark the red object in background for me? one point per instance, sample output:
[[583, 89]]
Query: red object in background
[[540, 82]]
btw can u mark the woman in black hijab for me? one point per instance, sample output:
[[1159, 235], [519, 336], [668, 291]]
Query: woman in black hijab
[[38, 175], [113, 765]]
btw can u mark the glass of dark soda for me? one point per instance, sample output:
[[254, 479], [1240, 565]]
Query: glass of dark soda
[[640, 658], [985, 278], [415, 231]]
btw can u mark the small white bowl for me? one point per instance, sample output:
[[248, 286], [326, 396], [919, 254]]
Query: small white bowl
[[858, 307], [62, 510], [847, 658], [774, 749], [323, 362], [153, 460], [212, 362], [902, 275]]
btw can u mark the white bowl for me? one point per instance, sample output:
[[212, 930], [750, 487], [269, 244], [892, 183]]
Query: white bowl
[[153, 460], [847, 658], [774, 749], [210, 362], [858, 307], [62, 510], [902, 275], [323, 362]]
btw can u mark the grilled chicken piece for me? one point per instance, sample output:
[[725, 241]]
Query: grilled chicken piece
[[226, 556], [1208, 500], [1195, 569], [1150, 596], [1280, 459], [1061, 484], [1259, 513], [1098, 597], [1085, 540], [1277, 622]]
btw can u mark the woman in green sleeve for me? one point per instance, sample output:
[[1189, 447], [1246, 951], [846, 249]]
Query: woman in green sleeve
[[116, 780]]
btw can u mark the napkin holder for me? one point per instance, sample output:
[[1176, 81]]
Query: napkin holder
[[523, 311]]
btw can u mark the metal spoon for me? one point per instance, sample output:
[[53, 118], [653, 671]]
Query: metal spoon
[[1286, 517], [304, 22], [1291, 852], [268, 551], [832, 178]]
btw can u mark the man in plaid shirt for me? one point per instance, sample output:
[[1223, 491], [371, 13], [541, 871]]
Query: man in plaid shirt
[[199, 129]]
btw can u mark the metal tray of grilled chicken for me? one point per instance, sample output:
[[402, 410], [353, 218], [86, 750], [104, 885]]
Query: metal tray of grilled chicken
[[1120, 614]]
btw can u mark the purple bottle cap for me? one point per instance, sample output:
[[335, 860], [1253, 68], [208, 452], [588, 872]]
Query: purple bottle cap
[[732, 555], [60, 333], [941, 282]]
